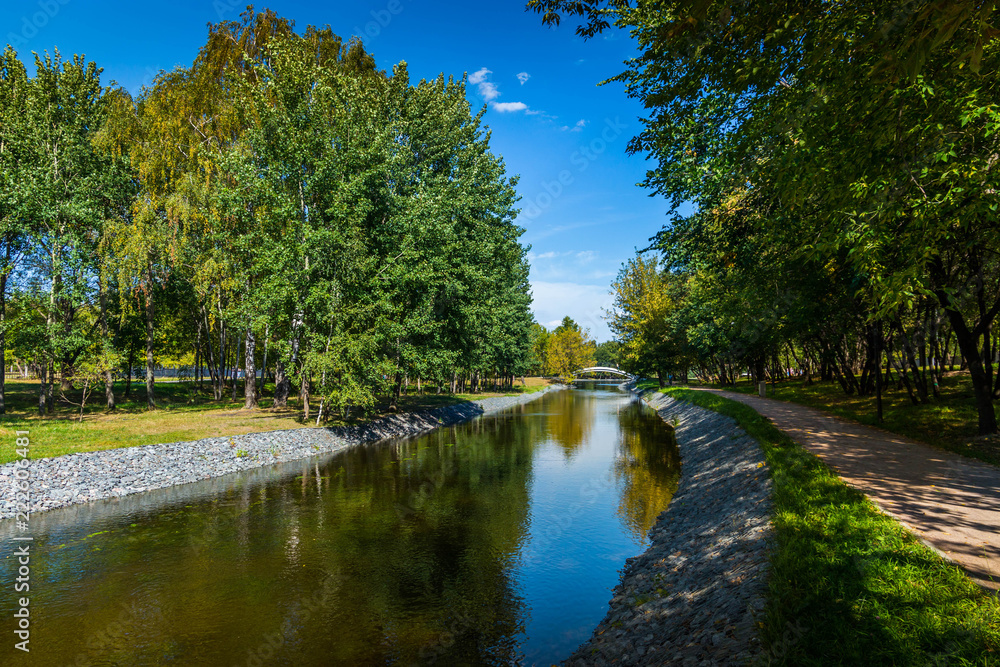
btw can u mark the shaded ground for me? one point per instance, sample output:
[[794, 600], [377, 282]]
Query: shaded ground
[[949, 500], [947, 422]]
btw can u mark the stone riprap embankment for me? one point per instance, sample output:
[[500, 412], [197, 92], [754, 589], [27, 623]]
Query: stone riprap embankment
[[114, 473], [695, 595]]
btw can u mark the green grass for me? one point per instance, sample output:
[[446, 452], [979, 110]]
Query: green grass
[[848, 584], [184, 413], [948, 423]]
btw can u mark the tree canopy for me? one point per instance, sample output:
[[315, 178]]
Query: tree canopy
[[840, 159], [280, 207]]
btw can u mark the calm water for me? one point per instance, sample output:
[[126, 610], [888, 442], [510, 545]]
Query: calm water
[[493, 542]]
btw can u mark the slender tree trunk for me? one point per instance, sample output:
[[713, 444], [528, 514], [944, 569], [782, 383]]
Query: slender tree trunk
[[263, 367], [878, 372], [150, 341], [42, 389], [250, 368], [109, 381], [282, 382], [911, 359], [236, 366], [304, 395], [197, 355], [3, 335], [50, 404], [967, 343], [128, 373], [397, 388]]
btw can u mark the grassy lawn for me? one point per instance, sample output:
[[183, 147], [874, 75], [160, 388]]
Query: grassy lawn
[[848, 584], [184, 413], [947, 423]]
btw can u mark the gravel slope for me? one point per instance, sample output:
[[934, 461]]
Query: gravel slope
[[693, 596], [114, 473]]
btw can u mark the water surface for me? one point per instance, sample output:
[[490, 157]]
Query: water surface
[[493, 542]]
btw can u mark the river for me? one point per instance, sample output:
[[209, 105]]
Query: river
[[493, 542]]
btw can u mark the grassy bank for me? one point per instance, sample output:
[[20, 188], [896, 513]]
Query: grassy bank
[[949, 422], [849, 585], [185, 412]]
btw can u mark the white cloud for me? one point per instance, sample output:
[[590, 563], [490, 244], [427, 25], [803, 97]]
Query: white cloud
[[505, 107], [584, 303], [580, 124], [480, 76], [523, 77], [487, 89], [586, 255]]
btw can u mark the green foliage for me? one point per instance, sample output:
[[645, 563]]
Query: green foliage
[[280, 202], [840, 162], [608, 354], [643, 318], [568, 349]]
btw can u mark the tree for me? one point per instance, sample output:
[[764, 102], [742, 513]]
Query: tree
[[608, 354], [866, 135], [13, 150], [641, 319], [569, 348]]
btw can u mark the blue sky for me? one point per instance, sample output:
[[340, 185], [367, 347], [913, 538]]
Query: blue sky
[[550, 121]]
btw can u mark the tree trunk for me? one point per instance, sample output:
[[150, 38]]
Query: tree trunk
[[50, 404], [263, 367], [911, 359], [150, 340], [967, 343], [236, 366], [981, 385], [3, 336], [42, 389], [304, 395], [397, 388], [250, 381], [282, 382], [128, 373], [109, 381]]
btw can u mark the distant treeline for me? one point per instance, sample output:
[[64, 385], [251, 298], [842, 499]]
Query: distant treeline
[[843, 160], [281, 203]]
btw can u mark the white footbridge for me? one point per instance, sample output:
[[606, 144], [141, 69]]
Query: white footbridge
[[604, 369]]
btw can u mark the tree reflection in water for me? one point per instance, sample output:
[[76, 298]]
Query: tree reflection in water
[[648, 466]]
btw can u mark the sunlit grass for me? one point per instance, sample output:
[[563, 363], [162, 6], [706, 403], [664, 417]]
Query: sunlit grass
[[848, 584], [184, 413]]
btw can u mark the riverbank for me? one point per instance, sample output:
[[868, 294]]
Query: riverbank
[[186, 411], [114, 473], [848, 584], [699, 591]]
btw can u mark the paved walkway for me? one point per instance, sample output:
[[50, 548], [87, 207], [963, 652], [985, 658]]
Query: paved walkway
[[951, 501]]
